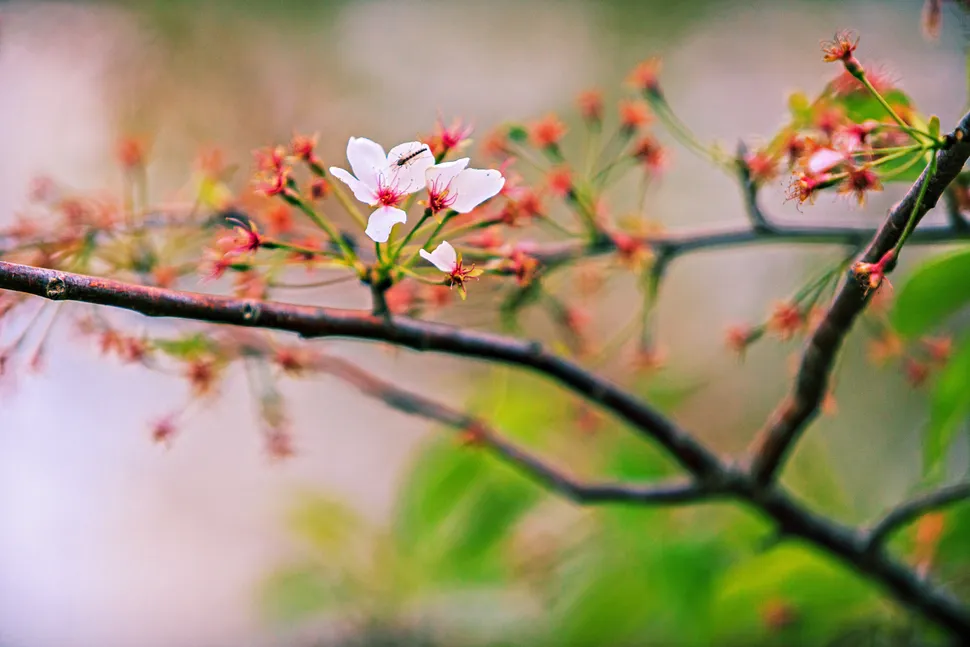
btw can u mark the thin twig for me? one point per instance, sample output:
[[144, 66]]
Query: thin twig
[[479, 432], [911, 510]]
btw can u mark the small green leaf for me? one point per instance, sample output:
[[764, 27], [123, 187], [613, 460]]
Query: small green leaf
[[822, 596], [214, 194], [934, 126], [800, 108], [186, 347], [933, 292], [518, 133], [327, 524], [949, 409], [903, 169], [862, 106], [517, 299], [295, 594]]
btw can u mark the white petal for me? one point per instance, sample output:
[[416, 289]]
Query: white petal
[[440, 175], [361, 191], [366, 158], [473, 187], [824, 159], [444, 257], [381, 222]]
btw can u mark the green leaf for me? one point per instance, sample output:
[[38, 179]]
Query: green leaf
[[821, 596], [329, 526], [435, 486], [934, 127], [295, 594], [862, 106], [456, 508], [516, 300], [214, 194], [637, 581], [518, 133], [935, 290], [800, 108], [903, 169], [809, 473], [949, 410], [186, 347], [952, 549]]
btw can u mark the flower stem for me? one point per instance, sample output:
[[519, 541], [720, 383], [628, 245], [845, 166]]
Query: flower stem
[[434, 234], [314, 284], [682, 133], [410, 234], [557, 227], [417, 277], [481, 224], [323, 224], [299, 249], [913, 132], [348, 205], [914, 215]]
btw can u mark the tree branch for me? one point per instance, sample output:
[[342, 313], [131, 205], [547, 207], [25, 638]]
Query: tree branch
[[851, 547], [713, 476], [911, 510], [800, 407], [792, 518], [479, 432], [314, 322], [684, 242]]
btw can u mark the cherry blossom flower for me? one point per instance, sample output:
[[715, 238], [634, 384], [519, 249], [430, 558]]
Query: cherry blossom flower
[[548, 131], [590, 105], [449, 138], [841, 47], [446, 259], [872, 275], [303, 148], [451, 185], [644, 76], [824, 160], [384, 179]]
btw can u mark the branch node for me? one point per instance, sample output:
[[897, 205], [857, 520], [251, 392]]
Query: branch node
[[56, 288], [251, 312]]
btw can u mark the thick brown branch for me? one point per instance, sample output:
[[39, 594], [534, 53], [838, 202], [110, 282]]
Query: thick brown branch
[[312, 322], [479, 432], [911, 510], [798, 409]]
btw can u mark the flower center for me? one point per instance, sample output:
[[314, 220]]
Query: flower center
[[388, 193], [440, 198]]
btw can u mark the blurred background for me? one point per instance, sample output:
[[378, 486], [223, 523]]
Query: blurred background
[[378, 527]]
